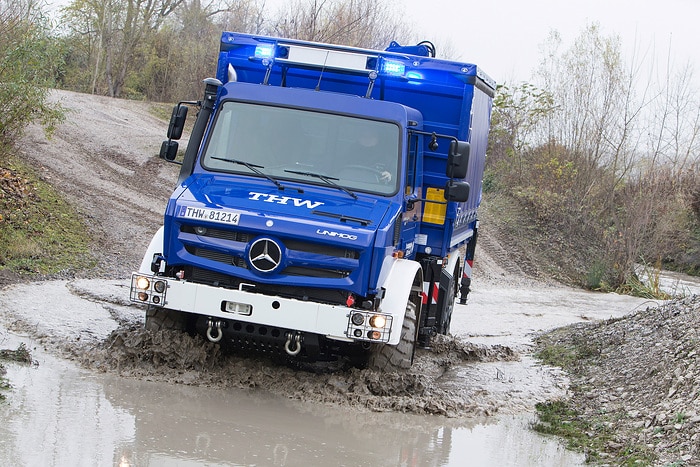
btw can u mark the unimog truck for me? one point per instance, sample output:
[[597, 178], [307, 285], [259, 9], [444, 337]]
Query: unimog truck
[[327, 202]]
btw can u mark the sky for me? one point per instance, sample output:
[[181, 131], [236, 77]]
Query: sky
[[503, 37]]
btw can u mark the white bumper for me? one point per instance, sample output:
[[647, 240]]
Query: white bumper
[[331, 321]]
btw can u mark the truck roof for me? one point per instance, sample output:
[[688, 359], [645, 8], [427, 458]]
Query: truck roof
[[364, 72]]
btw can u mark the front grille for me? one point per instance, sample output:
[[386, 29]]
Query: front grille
[[213, 255], [315, 272], [205, 276], [300, 270]]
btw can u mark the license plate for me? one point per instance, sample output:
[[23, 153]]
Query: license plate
[[210, 215], [239, 308]]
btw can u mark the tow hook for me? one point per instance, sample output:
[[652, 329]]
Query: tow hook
[[214, 324], [295, 340]]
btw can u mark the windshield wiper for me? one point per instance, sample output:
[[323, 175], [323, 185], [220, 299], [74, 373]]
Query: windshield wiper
[[329, 181], [252, 168]]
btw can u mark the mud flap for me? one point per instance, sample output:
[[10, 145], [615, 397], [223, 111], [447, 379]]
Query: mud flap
[[438, 302], [446, 303], [466, 282]]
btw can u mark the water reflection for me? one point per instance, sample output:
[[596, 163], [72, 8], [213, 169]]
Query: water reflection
[[58, 414]]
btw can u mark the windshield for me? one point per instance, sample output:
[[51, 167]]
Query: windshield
[[311, 147]]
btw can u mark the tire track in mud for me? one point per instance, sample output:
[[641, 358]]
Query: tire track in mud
[[104, 160]]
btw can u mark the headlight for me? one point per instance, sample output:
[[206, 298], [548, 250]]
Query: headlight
[[369, 326], [143, 283], [358, 319], [148, 289], [374, 335], [377, 321]]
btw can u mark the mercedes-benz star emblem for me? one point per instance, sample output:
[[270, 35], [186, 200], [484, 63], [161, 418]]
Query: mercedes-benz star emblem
[[265, 254]]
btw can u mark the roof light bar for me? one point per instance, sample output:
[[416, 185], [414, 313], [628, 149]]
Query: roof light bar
[[319, 57], [328, 58]]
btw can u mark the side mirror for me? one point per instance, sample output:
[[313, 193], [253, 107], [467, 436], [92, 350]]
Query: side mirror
[[457, 191], [168, 150], [458, 159], [177, 121]]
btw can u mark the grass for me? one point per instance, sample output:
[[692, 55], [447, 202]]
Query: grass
[[559, 418], [592, 434], [568, 357], [21, 355], [40, 233]]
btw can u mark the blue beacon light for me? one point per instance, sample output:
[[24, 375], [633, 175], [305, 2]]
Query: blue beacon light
[[264, 51]]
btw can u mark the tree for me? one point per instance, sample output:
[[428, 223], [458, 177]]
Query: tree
[[359, 23], [117, 28], [605, 155], [517, 113], [29, 63]]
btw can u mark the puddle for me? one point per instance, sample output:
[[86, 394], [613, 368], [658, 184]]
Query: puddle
[[59, 414]]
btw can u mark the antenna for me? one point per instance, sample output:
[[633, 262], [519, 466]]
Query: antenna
[[325, 60]]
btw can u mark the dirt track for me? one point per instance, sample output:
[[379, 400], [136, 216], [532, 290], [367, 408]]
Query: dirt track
[[104, 159]]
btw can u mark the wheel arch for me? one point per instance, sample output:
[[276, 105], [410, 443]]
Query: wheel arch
[[154, 247], [403, 283]]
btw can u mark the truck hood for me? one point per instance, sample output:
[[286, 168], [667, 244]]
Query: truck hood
[[264, 208]]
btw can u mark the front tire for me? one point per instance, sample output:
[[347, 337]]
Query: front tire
[[397, 357], [159, 319]]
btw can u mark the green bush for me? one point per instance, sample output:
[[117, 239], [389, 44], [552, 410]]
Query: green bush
[[29, 63]]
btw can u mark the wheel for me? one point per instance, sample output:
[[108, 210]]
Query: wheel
[[397, 357], [158, 319]]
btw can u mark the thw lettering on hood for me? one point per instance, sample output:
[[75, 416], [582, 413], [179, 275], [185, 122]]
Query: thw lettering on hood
[[287, 200]]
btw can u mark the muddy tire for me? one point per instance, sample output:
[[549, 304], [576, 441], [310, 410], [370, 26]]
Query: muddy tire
[[158, 319], [397, 357]]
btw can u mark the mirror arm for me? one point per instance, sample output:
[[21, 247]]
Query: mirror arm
[[410, 202], [433, 134]]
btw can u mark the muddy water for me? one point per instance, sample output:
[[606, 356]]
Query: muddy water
[[59, 414], [62, 414]]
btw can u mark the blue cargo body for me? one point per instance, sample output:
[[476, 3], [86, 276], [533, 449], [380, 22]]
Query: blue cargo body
[[454, 99], [327, 205]]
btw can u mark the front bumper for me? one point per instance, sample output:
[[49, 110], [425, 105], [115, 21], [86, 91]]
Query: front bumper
[[332, 321]]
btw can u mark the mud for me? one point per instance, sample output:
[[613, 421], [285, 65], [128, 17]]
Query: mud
[[102, 332], [80, 417], [473, 373], [156, 398]]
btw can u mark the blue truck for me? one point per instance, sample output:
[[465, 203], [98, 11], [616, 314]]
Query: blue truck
[[327, 202]]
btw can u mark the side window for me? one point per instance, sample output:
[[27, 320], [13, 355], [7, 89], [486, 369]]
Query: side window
[[411, 163]]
